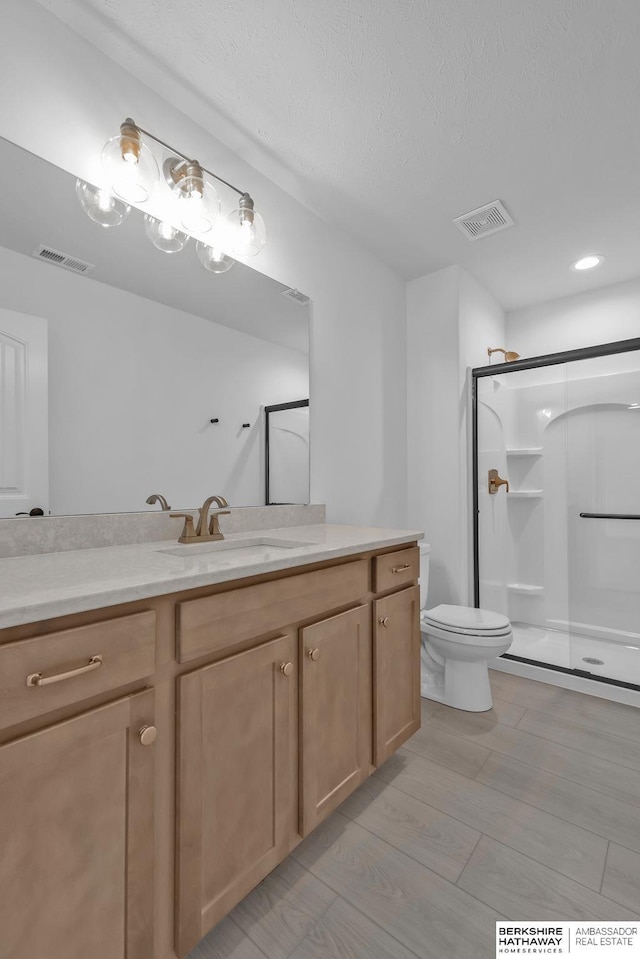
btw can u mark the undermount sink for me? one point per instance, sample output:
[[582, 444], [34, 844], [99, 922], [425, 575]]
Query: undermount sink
[[269, 544]]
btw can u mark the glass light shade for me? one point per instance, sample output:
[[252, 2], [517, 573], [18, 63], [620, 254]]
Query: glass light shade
[[213, 259], [198, 204], [100, 206], [247, 233], [130, 168], [164, 236]]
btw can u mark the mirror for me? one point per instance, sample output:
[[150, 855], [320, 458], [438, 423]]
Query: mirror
[[138, 373]]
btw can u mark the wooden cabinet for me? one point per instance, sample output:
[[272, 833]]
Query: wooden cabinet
[[287, 689], [237, 772], [335, 712], [396, 670], [76, 834]]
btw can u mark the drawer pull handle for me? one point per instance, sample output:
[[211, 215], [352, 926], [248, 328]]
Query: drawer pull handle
[[313, 654], [148, 735], [286, 668], [401, 569], [384, 622], [37, 679]]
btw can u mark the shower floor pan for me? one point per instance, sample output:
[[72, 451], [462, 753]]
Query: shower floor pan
[[555, 647]]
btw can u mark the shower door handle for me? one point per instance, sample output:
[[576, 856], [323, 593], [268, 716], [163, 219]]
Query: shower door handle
[[610, 515]]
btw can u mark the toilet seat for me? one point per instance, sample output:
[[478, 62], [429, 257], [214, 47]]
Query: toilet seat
[[465, 625], [456, 637], [480, 634], [467, 619]]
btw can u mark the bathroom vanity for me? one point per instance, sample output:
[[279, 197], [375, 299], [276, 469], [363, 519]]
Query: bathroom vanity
[[173, 723]]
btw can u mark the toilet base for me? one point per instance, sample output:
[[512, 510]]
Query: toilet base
[[458, 683], [466, 686]]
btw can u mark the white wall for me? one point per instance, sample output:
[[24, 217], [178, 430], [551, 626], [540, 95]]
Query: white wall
[[62, 98], [133, 385], [451, 320], [600, 316]]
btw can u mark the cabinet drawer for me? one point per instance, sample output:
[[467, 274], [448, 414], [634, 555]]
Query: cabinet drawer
[[228, 619], [125, 647], [392, 570]]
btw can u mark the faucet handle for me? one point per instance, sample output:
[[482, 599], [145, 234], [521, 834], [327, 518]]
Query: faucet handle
[[496, 481], [214, 528], [188, 532]]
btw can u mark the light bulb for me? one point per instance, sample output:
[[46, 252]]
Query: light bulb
[[213, 259], [247, 230], [164, 236], [129, 165], [100, 206], [105, 201], [198, 204]]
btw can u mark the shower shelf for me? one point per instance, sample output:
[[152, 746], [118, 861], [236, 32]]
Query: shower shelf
[[534, 451], [526, 589], [525, 494]]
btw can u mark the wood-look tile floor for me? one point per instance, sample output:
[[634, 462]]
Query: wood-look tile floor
[[530, 811]]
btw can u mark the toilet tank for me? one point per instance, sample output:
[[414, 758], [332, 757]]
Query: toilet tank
[[425, 550]]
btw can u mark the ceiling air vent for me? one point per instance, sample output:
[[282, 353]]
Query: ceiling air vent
[[296, 295], [62, 259], [484, 221]]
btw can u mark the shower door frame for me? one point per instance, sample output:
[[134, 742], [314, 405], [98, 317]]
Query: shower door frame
[[533, 363]]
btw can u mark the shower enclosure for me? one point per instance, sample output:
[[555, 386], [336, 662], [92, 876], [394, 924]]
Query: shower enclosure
[[557, 545]]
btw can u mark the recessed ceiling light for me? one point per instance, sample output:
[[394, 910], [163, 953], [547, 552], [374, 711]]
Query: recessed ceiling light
[[588, 262]]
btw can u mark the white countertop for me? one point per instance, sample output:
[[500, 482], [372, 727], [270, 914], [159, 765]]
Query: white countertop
[[45, 585]]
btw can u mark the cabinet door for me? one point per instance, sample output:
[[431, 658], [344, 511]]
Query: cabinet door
[[335, 712], [237, 770], [396, 671], [76, 834]]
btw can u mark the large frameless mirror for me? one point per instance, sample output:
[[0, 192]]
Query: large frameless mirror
[[126, 371]]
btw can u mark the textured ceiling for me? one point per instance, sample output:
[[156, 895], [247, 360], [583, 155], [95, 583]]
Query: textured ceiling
[[394, 116]]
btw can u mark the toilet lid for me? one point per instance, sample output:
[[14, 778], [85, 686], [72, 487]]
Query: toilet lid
[[465, 636], [466, 619]]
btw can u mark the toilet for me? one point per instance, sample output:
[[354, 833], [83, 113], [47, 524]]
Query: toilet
[[457, 644]]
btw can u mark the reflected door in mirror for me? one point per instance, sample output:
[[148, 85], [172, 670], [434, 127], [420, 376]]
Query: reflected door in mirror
[[287, 453], [24, 444]]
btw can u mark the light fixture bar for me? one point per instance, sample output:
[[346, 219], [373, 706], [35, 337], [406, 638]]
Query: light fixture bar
[[172, 149]]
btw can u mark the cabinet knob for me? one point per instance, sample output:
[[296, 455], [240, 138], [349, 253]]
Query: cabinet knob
[[313, 654], [286, 668], [148, 735], [384, 622]]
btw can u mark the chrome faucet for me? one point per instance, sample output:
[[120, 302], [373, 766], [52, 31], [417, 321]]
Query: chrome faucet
[[202, 531]]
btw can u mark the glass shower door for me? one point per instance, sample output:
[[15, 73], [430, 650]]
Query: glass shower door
[[522, 534], [603, 515]]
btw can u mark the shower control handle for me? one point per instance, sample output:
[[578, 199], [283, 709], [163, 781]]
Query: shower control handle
[[495, 482]]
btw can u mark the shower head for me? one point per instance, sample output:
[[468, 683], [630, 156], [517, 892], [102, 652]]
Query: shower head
[[508, 355]]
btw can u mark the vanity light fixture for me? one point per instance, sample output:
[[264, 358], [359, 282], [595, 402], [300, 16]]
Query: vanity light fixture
[[129, 165], [588, 262], [132, 176], [198, 202]]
